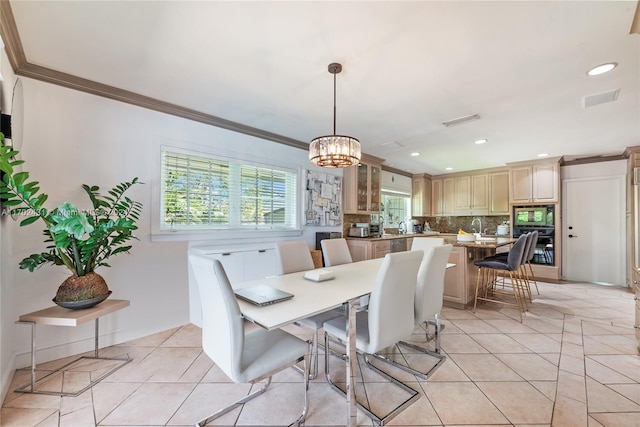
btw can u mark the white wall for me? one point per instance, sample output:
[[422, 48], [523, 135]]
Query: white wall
[[395, 182], [72, 138], [590, 170], [5, 349]]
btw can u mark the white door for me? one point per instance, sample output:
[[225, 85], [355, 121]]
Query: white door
[[593, 230]]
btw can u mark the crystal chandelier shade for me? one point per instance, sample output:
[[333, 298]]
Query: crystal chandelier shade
[[334, 151]]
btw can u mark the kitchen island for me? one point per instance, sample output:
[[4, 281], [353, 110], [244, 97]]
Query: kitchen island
[[460, 281]]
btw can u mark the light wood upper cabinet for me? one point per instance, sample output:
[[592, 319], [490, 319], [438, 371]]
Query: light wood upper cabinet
[[462, 195], [545, 183], [436, 197], [472, 195], [361, 189], [521, 184], [499, 193], [442, 196], [448, 196], [421, 195], [534, 183]]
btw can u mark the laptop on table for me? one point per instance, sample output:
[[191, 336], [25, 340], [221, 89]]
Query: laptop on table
[[262, 295]]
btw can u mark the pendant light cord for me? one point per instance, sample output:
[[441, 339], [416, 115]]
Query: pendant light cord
[[334, 103]]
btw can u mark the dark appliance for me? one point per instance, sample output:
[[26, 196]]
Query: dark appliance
[[320, 236], [540, 218], [536, 216], [398, 245], [375, 230]]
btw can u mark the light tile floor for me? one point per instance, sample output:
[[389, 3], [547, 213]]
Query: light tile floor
[[573, 361]]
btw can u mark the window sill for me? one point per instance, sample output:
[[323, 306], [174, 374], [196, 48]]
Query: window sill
[[236, 236]]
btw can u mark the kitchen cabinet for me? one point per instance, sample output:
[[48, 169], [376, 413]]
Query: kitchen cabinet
[[409, 243], [460, 281], [364, 249], [381, 248], [361, 188], [421, 195], [240, 263], [247, 264], [535, 183], [499, 193], [455, 279], [392, 181], [442, 196], [636, 298], [472, 195]]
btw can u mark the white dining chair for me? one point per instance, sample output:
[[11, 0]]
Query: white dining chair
[[426, 243], [245, 357], [388, 320], [335, 252], [292, 257], [428, 303]]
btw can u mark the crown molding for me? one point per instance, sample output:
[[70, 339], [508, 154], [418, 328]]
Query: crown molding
[[21, 67], [10, 37]]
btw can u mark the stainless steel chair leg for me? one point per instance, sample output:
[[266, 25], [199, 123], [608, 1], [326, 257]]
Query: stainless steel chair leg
[[436, 354], [232, 406], [380, 420]]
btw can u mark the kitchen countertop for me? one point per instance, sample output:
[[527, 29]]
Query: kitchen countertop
[[448, 238]]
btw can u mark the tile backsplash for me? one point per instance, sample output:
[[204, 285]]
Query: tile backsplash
[[451, 224], [443, 224], [349, 219]]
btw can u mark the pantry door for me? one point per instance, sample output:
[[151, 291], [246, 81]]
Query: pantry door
[[593, 230]]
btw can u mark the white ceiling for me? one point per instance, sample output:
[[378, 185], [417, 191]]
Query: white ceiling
[[407, 68]]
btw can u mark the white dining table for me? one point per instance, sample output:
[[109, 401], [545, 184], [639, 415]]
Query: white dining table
[[350, 283]]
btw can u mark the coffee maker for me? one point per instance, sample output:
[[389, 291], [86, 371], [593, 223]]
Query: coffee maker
[[414, 226]]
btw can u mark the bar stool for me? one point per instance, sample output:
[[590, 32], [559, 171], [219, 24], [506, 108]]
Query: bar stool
[[532, 251], [486, 289], [530, 246]]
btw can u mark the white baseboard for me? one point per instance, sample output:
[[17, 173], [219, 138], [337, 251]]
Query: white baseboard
[[7, 377]]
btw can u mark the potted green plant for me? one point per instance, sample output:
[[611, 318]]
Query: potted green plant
[[80, 240]]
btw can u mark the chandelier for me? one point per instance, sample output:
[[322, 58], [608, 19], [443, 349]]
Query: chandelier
[[334, 151]]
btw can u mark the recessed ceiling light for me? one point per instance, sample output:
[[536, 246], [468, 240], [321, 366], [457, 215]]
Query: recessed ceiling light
[[601, 69], [543, 154], [415, 154], [448, 169], [481, 141]]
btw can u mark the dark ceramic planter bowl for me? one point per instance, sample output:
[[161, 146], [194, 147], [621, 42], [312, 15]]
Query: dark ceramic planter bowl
[[79, 305]]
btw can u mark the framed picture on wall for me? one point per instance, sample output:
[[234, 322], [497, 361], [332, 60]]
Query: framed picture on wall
[[323, 199]]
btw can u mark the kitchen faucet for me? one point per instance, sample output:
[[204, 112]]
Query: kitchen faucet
[[401, 229], [479, 230]]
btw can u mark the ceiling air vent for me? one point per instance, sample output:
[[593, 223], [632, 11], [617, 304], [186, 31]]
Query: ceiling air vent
[[391, 144], [461, 120], [600, 98]]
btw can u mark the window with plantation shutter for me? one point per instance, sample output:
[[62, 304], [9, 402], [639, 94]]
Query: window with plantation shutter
[[202, 192]]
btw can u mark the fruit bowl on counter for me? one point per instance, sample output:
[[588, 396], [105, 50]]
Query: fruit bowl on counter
[[466, 237]]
